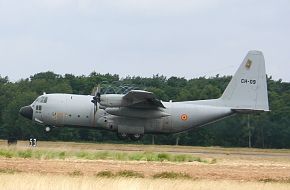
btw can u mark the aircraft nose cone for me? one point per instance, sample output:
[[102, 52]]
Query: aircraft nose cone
[[26, 111]]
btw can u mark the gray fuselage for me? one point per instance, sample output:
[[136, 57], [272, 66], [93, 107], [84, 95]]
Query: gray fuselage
[[70, 110]]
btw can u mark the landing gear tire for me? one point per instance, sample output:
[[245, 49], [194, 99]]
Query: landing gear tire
[[47, 129], [122, 136], [136, 137]]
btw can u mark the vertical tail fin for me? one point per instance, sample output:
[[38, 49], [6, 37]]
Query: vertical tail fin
[[248, 88]]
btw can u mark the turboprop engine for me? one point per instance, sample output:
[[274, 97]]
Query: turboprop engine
[[136, 113], [113, 100]]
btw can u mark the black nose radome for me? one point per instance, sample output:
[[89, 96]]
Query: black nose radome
[[26, 111]]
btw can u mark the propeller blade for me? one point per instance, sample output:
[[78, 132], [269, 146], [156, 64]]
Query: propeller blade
[[98, 97]]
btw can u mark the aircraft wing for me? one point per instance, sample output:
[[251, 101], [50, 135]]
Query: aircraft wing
[[142, 99]]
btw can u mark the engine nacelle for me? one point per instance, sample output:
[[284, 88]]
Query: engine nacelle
[[107, 124], [136, 113], [112, 100]]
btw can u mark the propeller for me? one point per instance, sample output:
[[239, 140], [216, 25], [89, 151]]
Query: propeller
[[97, 97]]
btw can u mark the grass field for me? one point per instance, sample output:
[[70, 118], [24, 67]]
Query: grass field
[[12, 152], [58, 182], [69, 165]]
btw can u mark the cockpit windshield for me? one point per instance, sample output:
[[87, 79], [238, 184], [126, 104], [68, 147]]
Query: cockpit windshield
[[42, 99]]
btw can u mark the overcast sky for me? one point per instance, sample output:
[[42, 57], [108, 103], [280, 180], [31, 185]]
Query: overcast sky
[[184, 38]]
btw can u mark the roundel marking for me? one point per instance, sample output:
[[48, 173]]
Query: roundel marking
[[183, 117]]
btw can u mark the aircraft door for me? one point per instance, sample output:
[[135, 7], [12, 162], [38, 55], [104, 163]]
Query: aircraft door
[[59, 118], [38, 112], [58, 114]]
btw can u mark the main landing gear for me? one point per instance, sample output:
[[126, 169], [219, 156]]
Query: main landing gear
[[133, 137], [136, 137], [122, 136]]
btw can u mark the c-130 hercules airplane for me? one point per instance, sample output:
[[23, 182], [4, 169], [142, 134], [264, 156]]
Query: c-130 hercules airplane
[[139, 112]]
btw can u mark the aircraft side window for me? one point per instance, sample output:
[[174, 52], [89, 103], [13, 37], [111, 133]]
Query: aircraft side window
[[38, 107]]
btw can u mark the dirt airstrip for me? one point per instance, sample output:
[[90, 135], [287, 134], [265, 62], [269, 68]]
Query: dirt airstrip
[[231, 164]]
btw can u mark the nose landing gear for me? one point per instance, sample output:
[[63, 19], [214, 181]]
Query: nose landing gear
[[47, 129]]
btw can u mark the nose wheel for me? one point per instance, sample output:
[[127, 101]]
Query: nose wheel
[[47, 129]]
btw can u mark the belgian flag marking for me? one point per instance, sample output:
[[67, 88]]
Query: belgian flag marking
[[183, 117]]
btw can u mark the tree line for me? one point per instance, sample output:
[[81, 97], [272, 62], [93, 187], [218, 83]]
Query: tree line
[[267, 130]]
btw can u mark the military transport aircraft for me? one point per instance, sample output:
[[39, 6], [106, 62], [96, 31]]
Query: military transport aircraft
[[139, 112]]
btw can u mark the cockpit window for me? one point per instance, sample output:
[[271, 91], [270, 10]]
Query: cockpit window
[[42, 99]]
